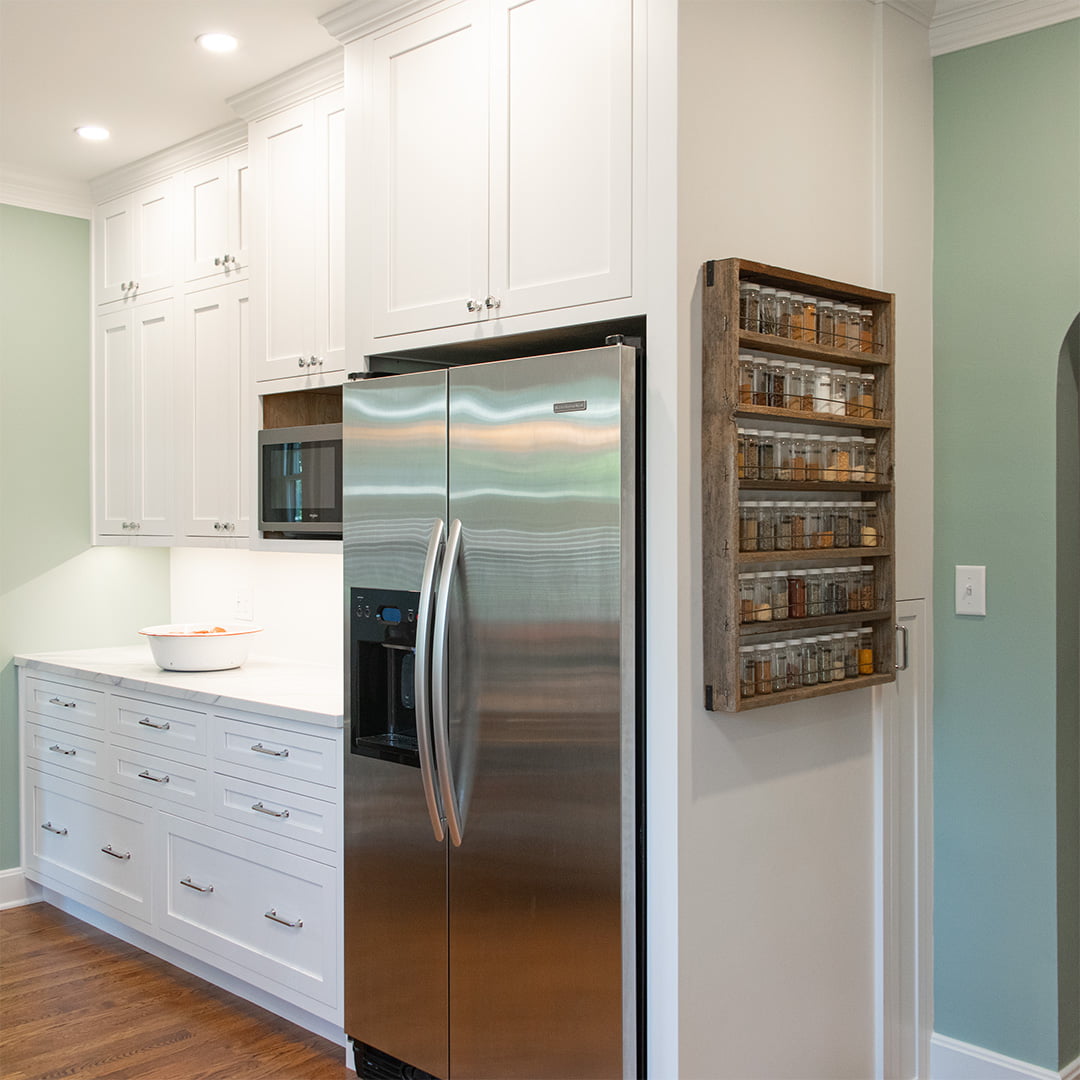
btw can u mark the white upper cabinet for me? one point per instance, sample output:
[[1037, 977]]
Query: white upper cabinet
[[133, 421], [215, 436], [297, 223], [500, 157], [213, 211], [134, 244], [428, 209]]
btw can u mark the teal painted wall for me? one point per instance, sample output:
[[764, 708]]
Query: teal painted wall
[[56, 591], [1006, 289]]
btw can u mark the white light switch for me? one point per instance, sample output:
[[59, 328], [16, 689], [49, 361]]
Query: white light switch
[[971, 590]]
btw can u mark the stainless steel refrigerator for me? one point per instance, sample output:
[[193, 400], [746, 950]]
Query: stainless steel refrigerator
[[491, 785]]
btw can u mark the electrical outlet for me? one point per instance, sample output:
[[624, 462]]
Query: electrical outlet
[[971, 590], [245, 603]]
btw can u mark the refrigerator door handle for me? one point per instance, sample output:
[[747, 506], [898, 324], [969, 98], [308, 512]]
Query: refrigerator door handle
[[439, 689], [423, 680]]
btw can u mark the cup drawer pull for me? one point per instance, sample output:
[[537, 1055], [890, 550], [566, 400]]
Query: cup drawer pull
[[147, 722], [266, 810], [48, 826], [146, 774], [108, 850], [275, 917], [56, 748], [186, 881], [260, 749], [61, 702]]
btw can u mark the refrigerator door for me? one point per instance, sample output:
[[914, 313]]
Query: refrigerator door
[[394, 442], [541, 717]]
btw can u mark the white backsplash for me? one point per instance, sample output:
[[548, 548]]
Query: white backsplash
[[294, 596]]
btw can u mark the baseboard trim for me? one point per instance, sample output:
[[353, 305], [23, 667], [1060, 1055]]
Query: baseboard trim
[[16, 889], [951, 1059]]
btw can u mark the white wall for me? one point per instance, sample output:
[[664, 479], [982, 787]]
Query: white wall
[[804, 141], [295, 596]]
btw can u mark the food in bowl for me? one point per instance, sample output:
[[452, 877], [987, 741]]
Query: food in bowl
[[203, 646]]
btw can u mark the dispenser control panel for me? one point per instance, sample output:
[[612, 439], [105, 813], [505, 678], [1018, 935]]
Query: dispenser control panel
[[384, 616]]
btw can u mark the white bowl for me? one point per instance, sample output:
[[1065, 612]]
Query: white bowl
[[200, 646]]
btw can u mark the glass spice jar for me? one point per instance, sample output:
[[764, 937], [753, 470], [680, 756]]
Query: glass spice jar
[[826, 322], [748, 526], [815, 596], [808, 661], [842, 533], [838, 392], [793, 387], [783, 526], [809, 319], [851, 653], [797, 462], [746, 598], [763, 599], [782, 441], [866, 651], [783, 313], [823, 530], [761, 380], [751, 453], [766, 526], [828, 458], [824, 656], [866, 330], [740, 453], [870, 530], [779, 594], [867, 599], [814, 458], [798, 526], [746, 379], [858, 458], [870, 446], [860, 394], [767, 320], [838, 665], [821, 390], [763, 683], [776, 373], [766, 455], [797, 594], [748, 305], [747, 684]]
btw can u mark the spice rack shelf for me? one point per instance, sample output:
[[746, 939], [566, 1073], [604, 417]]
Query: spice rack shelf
[[723, 339]]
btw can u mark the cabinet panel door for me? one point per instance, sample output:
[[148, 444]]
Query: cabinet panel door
[[114, 263], [155, 248], [114, 424], [215, 365], [211, 209], [155, 365], [428, 208], [560, 153], [330, 231], [281, 149]]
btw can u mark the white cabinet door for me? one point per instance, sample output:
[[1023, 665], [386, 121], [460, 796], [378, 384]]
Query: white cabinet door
[[212, 207], [215, 372], [330, 232], [133, 421], [428, 209], [282, 149], [134, 245], [561, 145]]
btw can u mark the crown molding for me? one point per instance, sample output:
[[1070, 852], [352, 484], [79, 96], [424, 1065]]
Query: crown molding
[[308, 80], [164, 163], [913, 9], [71, 198], [990, 20], [359, 17]]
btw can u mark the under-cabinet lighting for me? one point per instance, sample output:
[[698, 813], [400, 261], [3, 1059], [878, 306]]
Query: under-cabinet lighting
[[92, 132], [219, 43]]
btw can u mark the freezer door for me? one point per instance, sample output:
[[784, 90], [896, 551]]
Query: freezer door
[[395, 870], [541, 717]]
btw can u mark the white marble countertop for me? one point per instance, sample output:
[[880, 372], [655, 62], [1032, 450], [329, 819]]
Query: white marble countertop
[[310, 693]]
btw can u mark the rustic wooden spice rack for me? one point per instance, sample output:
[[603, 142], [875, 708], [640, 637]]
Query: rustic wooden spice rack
[[722, 341]]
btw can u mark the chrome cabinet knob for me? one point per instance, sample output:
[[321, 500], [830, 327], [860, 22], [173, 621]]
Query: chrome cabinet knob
[[229, 526], [491, 302], [473, 305], [218, 261], [301, 362], [217, 526]]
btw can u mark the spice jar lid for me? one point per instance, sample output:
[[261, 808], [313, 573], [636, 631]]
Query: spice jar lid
[[797, 573], [776, 363], [783, 292], [745, 357], [749, 285]]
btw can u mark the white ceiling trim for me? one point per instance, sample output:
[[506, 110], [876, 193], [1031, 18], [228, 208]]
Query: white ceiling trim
[[326, 72], [70, 198], [160, 165], [989, 20], [359, 17], [911, 8]]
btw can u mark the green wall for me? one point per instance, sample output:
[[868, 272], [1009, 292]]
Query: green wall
[[1006, 289], [56, 591]]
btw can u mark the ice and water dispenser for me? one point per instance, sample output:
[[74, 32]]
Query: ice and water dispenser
[[383, 657]]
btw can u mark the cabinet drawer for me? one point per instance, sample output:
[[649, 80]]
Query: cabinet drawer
[[159, 725], [254, 908], [282, 814], [287, 754], [91, 841], [65, 702], [72, 749], [163, 778]]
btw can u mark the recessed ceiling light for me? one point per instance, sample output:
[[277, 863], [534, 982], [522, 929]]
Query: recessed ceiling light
[[91, 132], [217, 42]]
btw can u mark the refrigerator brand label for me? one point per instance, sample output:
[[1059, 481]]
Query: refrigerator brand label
[[570, 406]]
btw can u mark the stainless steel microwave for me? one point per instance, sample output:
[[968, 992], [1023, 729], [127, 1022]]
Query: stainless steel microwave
[[300, 482]]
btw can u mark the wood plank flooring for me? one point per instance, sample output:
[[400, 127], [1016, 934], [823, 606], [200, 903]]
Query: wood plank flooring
[[76, 1002]]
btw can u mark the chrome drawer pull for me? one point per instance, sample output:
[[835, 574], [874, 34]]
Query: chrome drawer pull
[[266, 810], [198, 888], [273, 915], [108, 850], [50, 827], [146, 774], [56, 748], [60, 701], [260, 749], [147, 722]]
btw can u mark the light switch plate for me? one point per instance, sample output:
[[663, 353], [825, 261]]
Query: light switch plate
[[971, 590]]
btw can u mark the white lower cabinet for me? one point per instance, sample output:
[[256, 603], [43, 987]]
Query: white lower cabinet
[[255, 908], [217, 835]]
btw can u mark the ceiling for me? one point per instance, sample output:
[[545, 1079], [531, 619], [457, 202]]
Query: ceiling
[[133, 66]]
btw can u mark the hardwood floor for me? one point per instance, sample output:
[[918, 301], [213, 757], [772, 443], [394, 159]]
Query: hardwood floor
[[76, 1002]]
